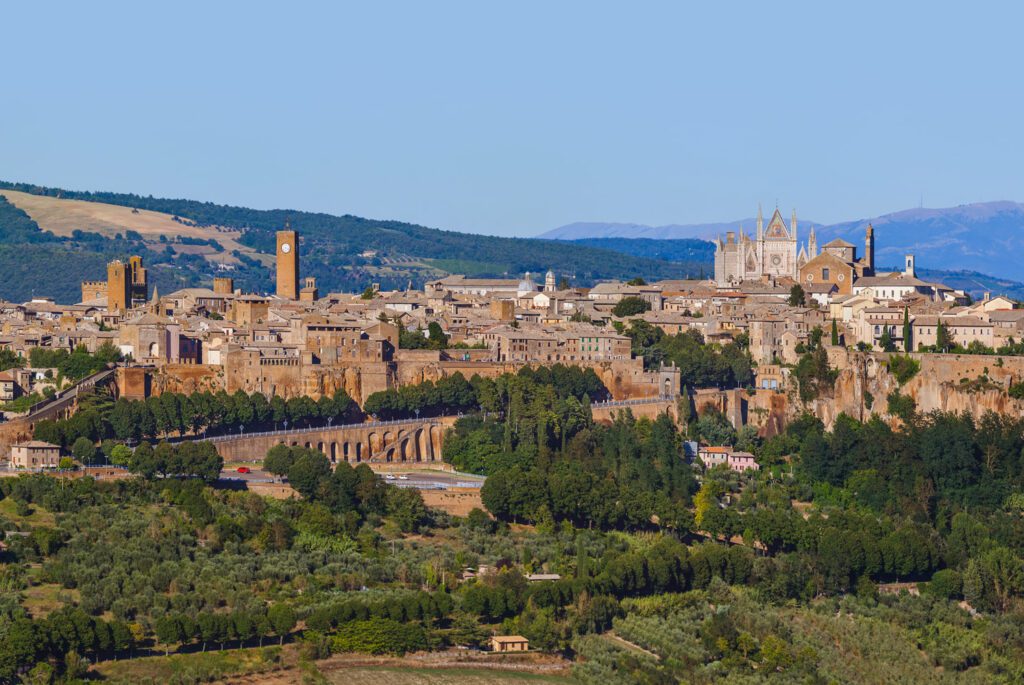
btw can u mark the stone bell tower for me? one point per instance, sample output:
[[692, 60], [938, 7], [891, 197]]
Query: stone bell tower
[[288, 263]]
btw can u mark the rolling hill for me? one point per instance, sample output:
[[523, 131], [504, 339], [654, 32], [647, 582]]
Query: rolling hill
[[187, 242]]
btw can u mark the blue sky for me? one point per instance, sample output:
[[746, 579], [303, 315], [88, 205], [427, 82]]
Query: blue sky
[[516, 119]]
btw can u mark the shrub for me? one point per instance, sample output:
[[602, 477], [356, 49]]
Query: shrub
[[946, 583], [903, 367], [631, 306], [899, 405]]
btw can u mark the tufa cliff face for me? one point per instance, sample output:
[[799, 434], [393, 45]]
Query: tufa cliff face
[[974, 384]]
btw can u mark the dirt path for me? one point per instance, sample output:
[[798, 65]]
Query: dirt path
[[633, 647]]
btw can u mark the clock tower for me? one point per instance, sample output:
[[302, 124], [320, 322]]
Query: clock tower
[[288, 264]]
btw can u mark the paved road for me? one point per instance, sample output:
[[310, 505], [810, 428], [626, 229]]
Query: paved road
[[423, 480], [435, 480]]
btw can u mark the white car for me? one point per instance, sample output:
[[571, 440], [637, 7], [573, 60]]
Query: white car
[[389, 477], [403, 477]]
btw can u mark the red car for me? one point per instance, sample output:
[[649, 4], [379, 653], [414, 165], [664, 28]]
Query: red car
[[243, 469]]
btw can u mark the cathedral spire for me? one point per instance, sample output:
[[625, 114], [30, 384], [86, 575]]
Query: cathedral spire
[[812, 244], [760, 223], [792, 225]]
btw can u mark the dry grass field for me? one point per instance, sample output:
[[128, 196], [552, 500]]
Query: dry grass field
[[61, 217], [457, 501], [388, 675], [281, 666]]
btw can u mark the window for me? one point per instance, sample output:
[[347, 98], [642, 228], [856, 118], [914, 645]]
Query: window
[[824, 274]]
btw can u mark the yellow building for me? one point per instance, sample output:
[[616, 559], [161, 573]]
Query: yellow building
[[509, 643]]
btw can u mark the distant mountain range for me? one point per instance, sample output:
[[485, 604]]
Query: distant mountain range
[[698, 257], [984, 237]]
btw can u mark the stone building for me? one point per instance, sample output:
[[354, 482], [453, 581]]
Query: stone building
[[127, 286], [35, 454]]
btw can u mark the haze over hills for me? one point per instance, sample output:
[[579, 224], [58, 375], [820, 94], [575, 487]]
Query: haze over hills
[[595, 229], [983, 237]]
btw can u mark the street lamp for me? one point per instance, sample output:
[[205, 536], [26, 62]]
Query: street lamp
[[330, 420], [286, 424], [241, 429]]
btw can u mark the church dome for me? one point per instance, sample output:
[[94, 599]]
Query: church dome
[[527, 285]]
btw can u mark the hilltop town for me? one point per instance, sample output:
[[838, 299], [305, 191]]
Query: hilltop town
[[772, 295], [429, 460]]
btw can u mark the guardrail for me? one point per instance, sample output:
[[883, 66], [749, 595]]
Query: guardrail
[[640, 400]]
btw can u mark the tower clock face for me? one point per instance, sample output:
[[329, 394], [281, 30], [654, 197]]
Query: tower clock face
[[286, 248]]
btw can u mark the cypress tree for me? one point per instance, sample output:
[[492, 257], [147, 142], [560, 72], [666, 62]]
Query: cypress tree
[[908, 345]]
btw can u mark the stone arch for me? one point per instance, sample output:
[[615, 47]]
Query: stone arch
[[320, 447], [389, 438], [333, 454], [389, 456], [309, 445], [346, 450], [403, 450], [435, 443], [374, 443], [359, 452], [422, 447]]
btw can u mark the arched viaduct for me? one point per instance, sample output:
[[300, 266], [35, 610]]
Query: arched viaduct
[[409, 444]]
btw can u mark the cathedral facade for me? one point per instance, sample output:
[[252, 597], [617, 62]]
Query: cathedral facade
[[772, 253]]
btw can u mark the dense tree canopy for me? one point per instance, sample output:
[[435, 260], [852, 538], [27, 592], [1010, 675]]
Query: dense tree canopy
[[170, 413], [701, 365]]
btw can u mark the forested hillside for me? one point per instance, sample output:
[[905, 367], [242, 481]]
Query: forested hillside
[[664, 571], [38, 263], [698, 256], [333, 247]]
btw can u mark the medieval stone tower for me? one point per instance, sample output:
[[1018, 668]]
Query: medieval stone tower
[[119, 295], [288, 264]]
